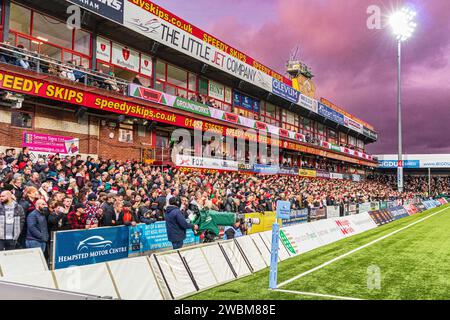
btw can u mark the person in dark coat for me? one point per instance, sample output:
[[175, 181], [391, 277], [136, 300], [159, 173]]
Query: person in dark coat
[[37, 230], [176, 223], [108, 211]]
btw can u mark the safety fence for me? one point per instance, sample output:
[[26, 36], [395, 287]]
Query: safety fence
[[180, 273]]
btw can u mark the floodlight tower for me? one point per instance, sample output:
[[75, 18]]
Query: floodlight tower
[[403, 26]]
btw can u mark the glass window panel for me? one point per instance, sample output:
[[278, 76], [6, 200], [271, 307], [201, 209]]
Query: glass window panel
[[20, 19], [21, 119], [192, 82], [176, 76], [82, 42], [203, 86], [160, 70], [51, 51], [171, 90], [52, 30], [159, 86]]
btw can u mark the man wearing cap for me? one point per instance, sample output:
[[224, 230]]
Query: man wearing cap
[[12, 220], [176, 223], [77, 218]]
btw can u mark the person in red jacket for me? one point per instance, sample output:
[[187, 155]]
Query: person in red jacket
[[77, 219]]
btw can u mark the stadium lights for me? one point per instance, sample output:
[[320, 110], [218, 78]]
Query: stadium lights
[[403, 27], [402, 23]]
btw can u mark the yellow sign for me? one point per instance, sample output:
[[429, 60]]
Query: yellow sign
[[266, 220], [307, 173], [304, 85]]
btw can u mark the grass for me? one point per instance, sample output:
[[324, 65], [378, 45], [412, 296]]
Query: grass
[[414, 264]]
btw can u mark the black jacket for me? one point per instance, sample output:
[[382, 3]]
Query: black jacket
[[108, 215]]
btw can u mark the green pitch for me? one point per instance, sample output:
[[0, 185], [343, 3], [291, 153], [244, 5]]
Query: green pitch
[[413, 264]]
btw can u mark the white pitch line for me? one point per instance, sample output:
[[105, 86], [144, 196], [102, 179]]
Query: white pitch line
[[356, 250], [316, 294]]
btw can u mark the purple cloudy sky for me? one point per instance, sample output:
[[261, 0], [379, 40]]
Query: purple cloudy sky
[[354, 67]]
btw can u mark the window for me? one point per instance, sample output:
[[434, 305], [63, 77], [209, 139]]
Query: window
[[82, 42], [203, 86], [192, 82], [21, 119], [161, 70], [20, 19], [176, 76], [126, 134], [51, 30]]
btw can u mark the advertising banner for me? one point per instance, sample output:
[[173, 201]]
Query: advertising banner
[[398, 212], [365, 207], [336, 176], [125, 57], [140, 17], [356, 177], [323, 174], [144, 238], [103, 49], [349, 123], [327, 230], [83, 247], [110, 9], [265, 169], [46, 143], [283, 90], [146, 65], [296, 217], [289, 171], [317, 214], [407, 164], [245, 167], [333, 212], [308, 103], [266, 220], [331, 114], [307, 173], [216, 90], [205, 163]]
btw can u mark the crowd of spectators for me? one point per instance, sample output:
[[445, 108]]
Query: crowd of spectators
[[440, 184], [70, 193]]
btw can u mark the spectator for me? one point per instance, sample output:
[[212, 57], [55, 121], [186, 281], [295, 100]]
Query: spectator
[[176, 224], [37, 232], [77, 218], [232, 232], [12, 221]]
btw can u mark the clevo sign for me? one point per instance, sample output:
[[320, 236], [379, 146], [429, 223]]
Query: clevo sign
[[111, 9]]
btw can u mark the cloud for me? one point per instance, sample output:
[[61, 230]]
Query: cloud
[[355, 67]]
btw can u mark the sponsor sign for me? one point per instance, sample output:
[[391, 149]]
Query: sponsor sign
[[152, 237], [333, 212], [283, 90], [265, 169], [50, 144], [146, 65], [289, 171], [245, 167], [407, 164], [398, 212], [307, 173], [317, 214], [352, 124], [103, 49], [205, 163], [339, 176], [308, 103], [110, 9], [356, 177], [125, 57], [340, 110], [216, 90], [283, 209], [331, 114], [296, 217], [245, 102], [266, 220], [83, 247], [191, 106], [323, 174], [365, 207]]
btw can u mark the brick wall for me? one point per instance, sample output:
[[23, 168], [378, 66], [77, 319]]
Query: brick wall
[[94, 135]]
